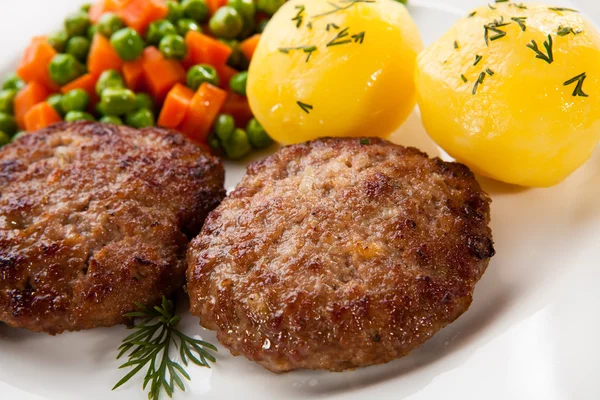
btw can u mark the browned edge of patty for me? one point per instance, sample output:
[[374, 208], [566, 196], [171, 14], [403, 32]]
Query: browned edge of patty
[[95, 218], [340, 253]]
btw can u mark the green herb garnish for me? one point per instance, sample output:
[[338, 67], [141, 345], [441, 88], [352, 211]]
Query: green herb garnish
[[150, 344], [474, 13], [549, 57], [520, 6], [477, 59], [340, 38], [306, 49], [565, 30], [299, 16], [305, 107], [464, 78], [365, 142], [521, 22], [456, 46], [332, 25], [489, 72], [479, 82], [494, 27], [562, 9], [337, 8], [579, 88]]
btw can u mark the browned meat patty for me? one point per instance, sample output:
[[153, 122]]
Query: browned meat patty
[[340, 253], [94, 218]]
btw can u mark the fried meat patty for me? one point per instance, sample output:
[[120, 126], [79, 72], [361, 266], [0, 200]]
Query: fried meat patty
[[340, 253], [94, 218]]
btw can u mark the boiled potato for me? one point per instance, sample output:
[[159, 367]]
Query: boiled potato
[[513, 91], [341, 68]]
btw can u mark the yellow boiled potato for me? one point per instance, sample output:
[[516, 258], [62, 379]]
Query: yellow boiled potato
[[533, 118], [340, 68]]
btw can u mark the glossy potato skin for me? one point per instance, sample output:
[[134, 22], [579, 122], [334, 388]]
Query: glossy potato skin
[[353, 88], [523, 126], [95, 218], [335, 254]]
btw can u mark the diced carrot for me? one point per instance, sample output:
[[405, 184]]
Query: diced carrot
[[203, 49], [35, 61], [40, 116], [214, 5], [28, 97], [237, 106], [160, 74], [133, 73], [204, 108], [138, 14], [176, 106], [225, 74], [248, 46], [102, 56]]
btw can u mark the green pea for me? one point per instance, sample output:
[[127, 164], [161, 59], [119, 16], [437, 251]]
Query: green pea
[[77, 24], [54, 100], [224, 126], [141, 118], [247, 10], [100, 109], [257, 135], [128, 44], [18, 135], [4, 138], [262, 25], [173, 46], [13, 81], [269, 6], [58, 40], [158, 30], [117, 101], [195, 9], [73, 116], [86, 7], [64, 68], [143, 100], [175, 11], [109, 79], [238, 82], [79, 47], [110, 119], [226, 23], [201, 73], [8, 124], [7, 97], [237, 59], [238, 145], [109, 23], [185, 25], [213, 142], [91, 32], [75, 100]]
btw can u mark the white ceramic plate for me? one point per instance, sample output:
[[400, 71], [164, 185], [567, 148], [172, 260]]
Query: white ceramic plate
[[531, 333]]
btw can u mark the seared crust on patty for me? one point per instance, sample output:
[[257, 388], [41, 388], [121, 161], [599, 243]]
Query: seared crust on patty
[[340, 253], [94, 218]]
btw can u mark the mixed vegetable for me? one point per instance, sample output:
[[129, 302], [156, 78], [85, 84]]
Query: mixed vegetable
[[176, 64]]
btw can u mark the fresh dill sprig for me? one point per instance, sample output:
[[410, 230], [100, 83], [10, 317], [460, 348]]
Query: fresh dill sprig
[[340, 38], [477, 59], [474, 13], [566, 30], [299, 16], [306, 49], [464, 78], [521, 22], [520, 6], [562, 9], [337, 8], [489, 72], [548, 57], [305, 107], [578, 92], [495, 28], [150, 344], [479, 82]]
